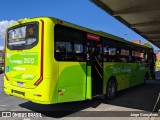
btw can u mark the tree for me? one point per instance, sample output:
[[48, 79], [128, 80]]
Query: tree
[[147, 45]]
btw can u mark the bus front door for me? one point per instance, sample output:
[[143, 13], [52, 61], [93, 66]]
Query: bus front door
[[94, 49]]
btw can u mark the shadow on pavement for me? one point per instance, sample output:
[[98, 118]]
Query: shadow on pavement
[[61, 109], [142, 97]]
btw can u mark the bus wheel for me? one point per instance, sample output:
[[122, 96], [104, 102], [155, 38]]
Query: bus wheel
[[111, 89]]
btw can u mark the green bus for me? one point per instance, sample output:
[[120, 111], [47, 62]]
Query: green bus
[[51, 61]]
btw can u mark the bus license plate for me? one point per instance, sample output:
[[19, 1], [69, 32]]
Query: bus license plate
[[20, 84]]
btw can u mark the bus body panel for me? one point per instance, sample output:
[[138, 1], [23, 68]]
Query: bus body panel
[[126, 74], [121, 71], [72, 81], [89, 83], [23, 67], [138, 73]]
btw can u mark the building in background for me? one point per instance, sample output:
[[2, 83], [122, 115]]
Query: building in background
[[158, 54], [137, 42], [142, 43]]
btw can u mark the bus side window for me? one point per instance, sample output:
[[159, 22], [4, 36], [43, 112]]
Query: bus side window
[[79, 52], [112, 54], [125, 57], [106, 54], [69, 44], [63, 51], [135, 56]]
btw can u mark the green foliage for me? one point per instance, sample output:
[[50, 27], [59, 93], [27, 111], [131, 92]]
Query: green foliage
[[147, 45]]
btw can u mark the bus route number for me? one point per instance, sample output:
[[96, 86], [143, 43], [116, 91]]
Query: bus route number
[[29, 60]]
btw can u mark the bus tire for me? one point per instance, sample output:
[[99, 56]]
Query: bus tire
[[111, 89]]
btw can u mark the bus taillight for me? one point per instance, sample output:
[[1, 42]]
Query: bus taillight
[[42, 42], [38, 95], [38, 81]]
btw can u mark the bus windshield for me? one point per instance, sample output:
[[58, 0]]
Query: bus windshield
[[23, 36]]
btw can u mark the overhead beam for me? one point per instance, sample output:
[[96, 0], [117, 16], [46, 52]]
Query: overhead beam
[[145, 24], [156, 42], [102, 6], [154, 37], [134, 10], [150, 32]]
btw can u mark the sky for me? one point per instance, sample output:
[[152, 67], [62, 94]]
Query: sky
[[80, 12]]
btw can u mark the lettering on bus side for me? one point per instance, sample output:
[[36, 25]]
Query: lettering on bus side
[[142, 68], [121, 70], [29, 60]]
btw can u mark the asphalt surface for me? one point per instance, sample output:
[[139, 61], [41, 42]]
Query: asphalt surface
[[136, 99], [158, 74]]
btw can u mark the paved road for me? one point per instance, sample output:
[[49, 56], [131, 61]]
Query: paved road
[[135, 99]]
